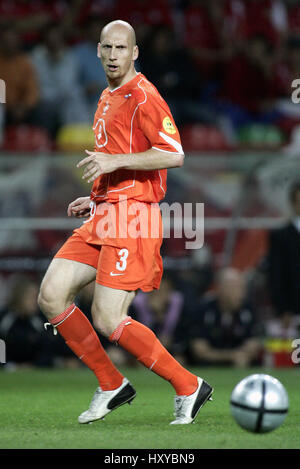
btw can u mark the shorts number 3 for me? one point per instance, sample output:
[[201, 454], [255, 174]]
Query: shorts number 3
[[122, 263]]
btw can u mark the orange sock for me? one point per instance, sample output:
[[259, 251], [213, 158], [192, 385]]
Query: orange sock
[[82, 339], [142, 343]]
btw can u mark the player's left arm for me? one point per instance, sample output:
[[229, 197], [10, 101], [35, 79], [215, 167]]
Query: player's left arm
[[98, 163]]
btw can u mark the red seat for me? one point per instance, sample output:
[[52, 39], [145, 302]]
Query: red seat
[[26, 138], [198, 137]]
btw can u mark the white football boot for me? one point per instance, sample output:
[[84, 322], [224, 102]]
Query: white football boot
[[104, 402], [187, 407]]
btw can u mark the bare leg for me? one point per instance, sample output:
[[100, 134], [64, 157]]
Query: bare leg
[[110, 308], [62, 282]]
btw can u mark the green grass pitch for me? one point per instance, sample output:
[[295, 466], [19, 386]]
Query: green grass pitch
[[39, 409]]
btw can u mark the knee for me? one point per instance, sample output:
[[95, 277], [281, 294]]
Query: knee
[[104, 322], [101, 326], [50, 301], [44, 298], [46, 301]]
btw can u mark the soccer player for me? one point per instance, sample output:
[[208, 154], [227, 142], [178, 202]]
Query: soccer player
[[136, 140]]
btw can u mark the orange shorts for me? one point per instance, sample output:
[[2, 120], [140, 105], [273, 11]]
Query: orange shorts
[[122, 263]]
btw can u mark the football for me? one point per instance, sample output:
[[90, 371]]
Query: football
[[259, 403]]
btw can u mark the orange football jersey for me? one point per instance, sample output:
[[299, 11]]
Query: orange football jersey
[[131, 119]]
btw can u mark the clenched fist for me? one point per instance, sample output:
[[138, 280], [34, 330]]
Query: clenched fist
[[79, 208]]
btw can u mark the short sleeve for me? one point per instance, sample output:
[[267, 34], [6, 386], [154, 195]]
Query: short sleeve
[[157, 124]]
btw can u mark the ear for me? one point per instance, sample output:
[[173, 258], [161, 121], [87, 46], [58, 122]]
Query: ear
[[98, 50], [135, 53]]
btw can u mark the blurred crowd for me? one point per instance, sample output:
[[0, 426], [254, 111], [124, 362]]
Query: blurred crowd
[[217, 327], [227, 64]]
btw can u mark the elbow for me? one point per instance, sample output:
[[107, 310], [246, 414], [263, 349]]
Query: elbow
[[179, 161]]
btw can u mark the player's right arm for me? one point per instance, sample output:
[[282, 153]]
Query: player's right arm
[[79, 208]]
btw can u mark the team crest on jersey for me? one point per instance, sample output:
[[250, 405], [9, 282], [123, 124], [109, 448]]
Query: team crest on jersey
[[168, 125], [105, 109], [100, 133]]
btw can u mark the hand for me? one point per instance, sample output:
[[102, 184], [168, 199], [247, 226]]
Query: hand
[[79, 208], [96, 164]]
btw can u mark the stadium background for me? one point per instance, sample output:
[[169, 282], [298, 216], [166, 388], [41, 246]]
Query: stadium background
[[225, 67]]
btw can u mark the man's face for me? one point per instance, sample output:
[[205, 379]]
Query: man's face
[[232, 291], [116, 52]]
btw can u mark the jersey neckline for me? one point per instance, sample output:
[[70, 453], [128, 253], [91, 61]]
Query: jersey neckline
[[125, 84]]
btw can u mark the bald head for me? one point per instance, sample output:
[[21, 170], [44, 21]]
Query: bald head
[[231, 287], [122, 27], [228, 275], [118, 51]]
